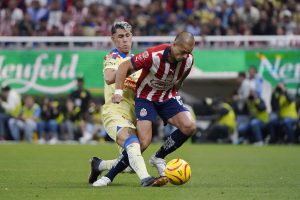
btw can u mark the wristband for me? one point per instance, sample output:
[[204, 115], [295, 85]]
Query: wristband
[[119, 91]]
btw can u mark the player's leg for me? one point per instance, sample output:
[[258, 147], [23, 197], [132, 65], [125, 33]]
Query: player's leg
[[174, 112], [132, 155], [127, 138], [145, 114], [112, 124]]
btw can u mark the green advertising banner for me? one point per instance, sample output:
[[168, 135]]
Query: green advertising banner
[[51, 72], [273, 65], [55, 72]]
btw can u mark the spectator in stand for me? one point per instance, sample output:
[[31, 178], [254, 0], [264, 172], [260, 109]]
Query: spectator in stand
[[15, 13], [255, 80], [55, 14], [26, 120], [233, 25], [43, 3], [41, 29], [93, 128], [287, 22], [5, 23], [284, 105], [26, 26], [182, 8], [88, 26], [81, 97], [11, 105], [62, 4], [36, 12], [70, 127], [78, 11], [205, 12], [193, 25], [217, 27], [257, 126], [223, 124], [224, 14], [264, 26], [248, 14], [241, 95], [67, 24], [48, 125]]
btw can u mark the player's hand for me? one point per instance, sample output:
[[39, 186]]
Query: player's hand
[[117, 98]]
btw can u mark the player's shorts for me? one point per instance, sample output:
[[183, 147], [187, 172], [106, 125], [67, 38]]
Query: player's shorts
[[113, 122], [148, 110]]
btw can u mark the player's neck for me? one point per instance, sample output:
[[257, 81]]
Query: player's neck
[[171, 60]]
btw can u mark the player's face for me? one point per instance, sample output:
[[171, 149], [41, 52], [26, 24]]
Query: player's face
[[122, 40], [180, 52]]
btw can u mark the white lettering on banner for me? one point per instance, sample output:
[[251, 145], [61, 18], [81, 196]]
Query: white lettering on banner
[[27, 75], [288, 72]]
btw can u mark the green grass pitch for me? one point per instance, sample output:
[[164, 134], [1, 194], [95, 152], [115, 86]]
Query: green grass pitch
[[218, 172]]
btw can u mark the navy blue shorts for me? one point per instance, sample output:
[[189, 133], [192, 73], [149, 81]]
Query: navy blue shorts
[[148, 110]]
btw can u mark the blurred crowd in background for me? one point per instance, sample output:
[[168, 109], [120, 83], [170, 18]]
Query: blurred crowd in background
[[149, 17]]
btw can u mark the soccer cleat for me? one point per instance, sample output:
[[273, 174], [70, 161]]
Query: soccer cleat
[[102, 182], [154, 182], [160, 181], [147, 181], [95, 172], [159, 163]]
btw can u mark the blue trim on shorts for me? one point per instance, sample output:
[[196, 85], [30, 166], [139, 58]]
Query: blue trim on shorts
[[131, 139]]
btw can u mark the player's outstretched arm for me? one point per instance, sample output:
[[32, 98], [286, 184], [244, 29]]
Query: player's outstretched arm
[[123, 71], [110, 76]]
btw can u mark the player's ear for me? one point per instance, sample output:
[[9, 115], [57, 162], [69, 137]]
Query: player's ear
[[112, 38]]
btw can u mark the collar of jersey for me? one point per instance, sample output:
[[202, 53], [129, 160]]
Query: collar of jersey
[[120, 53], [166, 53]]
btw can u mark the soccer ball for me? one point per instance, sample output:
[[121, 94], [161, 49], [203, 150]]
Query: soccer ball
[[178, 171]]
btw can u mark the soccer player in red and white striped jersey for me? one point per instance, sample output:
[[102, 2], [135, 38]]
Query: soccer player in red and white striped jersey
[[164, 68]]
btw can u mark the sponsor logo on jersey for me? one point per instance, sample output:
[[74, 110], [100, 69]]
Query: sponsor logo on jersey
[[129, 83], [145, 54]]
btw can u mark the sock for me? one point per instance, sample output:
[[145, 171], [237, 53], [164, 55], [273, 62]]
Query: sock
[[173, 141], [136, 160], [106, 164], [119, 166]]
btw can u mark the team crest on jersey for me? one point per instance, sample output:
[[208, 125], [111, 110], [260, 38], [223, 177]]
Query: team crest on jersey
[[143, 112]]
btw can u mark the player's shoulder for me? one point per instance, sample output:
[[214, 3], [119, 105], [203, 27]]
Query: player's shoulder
[[112, 55], [158, 48]]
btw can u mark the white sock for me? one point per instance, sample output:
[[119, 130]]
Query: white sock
[[106, 164], [136, 160]]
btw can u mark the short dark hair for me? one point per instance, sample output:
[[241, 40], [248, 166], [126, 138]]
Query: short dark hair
[[5, 88], [121, 25], [242, 74], [80, 79]]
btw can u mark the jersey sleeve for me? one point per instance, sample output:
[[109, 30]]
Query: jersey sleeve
[[142, 60]]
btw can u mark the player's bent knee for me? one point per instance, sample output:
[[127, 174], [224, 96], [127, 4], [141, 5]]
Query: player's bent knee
[[131, 139], [189, 128]]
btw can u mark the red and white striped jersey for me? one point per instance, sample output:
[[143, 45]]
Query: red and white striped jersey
[[158, 78]]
